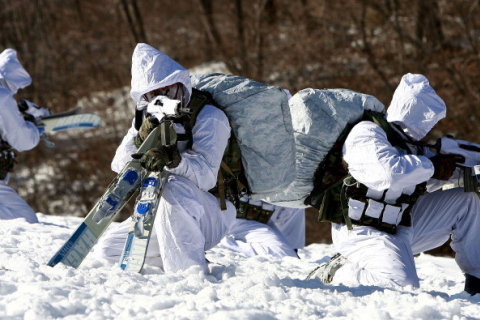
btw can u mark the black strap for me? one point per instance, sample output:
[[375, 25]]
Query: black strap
[[198, 100], [393, 136], [344, 204], [138, 119]]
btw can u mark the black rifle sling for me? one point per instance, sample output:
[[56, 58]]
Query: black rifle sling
[[138, 119]]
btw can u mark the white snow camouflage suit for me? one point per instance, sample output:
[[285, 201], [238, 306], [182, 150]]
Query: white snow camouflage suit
[[189, 220], [378, 258], [21, 135]]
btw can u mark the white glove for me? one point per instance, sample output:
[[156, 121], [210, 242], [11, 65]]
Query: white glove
[[34, 110], [161, 106]]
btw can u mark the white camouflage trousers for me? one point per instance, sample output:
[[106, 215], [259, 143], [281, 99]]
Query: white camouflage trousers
[[284, 232], [378, 258], [12, 206], [188, 222]]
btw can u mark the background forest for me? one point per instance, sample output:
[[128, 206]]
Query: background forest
[[78, 51]]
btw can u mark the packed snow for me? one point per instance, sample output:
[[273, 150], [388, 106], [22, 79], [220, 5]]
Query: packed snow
[[259, 288]]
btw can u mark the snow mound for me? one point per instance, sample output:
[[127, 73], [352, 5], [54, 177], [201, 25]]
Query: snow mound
[[260, 288]]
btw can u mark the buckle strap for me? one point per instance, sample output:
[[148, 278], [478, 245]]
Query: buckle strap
[[221, 191], [249, 211], [227, 169], [343, 200], [221, 184]]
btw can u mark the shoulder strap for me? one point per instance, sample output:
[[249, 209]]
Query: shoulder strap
[[198, 100], [138, 119], [331, 170], [379, 119]]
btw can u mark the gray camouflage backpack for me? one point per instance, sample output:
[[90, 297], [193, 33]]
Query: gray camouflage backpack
[[261, 123], [319, 117]]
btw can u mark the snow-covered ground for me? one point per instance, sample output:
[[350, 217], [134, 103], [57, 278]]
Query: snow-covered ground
[[258, 288]]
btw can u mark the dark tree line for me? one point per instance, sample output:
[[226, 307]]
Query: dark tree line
[[75, 48]]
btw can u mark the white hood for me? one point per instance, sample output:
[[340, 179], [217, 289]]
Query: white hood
[[152, 69], [416, 106], [12, 74]]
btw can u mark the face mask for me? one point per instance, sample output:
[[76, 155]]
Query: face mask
[[172, 92]]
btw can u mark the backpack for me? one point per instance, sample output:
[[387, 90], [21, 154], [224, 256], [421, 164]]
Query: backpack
[[262, 142], [320, 118]]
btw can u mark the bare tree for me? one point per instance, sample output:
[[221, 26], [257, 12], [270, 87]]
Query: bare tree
[[134, 19], [80, 51]]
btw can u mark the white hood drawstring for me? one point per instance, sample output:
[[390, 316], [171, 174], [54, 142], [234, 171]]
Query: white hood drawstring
[[415, 106]]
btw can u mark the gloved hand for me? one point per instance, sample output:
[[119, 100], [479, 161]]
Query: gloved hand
[[157, 158], [444, 165], [148, 125], [30, 108]]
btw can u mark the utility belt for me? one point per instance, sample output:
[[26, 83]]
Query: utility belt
[[235, 192], [7, 159], [232, 189], [255, 210]]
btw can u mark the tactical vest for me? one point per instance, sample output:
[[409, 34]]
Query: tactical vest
[[333, 186], [231, 181]]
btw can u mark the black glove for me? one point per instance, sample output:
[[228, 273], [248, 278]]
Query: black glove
[[157, 158], [30, 110], [28, 117], [147, 127], [23, 107], [444, 165]]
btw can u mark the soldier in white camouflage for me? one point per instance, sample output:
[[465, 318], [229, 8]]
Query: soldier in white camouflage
[[189, 220], [17, 133]]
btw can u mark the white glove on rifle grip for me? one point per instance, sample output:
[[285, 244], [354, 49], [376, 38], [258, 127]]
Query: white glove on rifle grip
[[36, 111], [454, 146]]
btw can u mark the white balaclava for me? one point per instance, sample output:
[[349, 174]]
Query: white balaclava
[[415, 106], [152, 69], [12, 74]]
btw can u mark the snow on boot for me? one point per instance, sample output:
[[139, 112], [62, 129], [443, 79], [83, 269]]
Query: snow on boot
[[326, 271], [472, 284]]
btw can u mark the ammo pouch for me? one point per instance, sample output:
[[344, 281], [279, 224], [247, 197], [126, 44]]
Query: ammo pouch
[[251, 211], [7, 160], [339, 198], [376, 213], [346, 202]]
